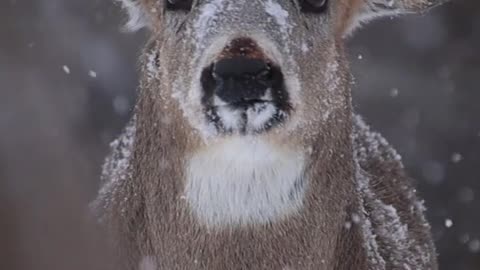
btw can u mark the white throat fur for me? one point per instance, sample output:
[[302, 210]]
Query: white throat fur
[[244, 180]]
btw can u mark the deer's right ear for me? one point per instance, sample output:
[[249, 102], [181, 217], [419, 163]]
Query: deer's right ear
[[366, 10]]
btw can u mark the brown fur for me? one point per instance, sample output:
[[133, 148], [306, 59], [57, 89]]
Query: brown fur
[[146, 214]]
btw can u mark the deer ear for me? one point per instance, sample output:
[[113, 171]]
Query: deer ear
[[366, 10]]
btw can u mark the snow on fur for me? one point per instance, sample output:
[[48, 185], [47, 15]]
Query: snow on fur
[[382, 225], [280, 15], [115, 168], [370, 239], [137, 17], [151, 65], [403, 251], [206, 18], [377, 145]]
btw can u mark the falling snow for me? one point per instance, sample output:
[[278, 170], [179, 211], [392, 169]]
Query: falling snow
[[474, 246], [448, 223], [394, 92], [66, 69], [456, 157], [92, 74]]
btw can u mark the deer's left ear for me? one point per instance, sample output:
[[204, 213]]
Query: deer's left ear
[[366, 10]]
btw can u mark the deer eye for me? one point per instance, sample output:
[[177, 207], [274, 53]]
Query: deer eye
[[313, 6], [185, 5]]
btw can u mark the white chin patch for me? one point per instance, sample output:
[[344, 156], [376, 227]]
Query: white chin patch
[[244, 180], [259, 116], [253, 119], [231, 118]]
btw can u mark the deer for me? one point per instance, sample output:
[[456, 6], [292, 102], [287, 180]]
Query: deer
[[244, 151]]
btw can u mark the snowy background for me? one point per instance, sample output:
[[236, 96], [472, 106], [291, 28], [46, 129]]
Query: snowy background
[[67, 84]]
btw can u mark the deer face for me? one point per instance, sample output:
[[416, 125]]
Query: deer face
[[249, 67]]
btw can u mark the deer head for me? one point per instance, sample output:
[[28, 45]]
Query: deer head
[[258, 87], [255, 68]]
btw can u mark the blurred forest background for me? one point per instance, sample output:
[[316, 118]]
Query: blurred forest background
[[67, 85]]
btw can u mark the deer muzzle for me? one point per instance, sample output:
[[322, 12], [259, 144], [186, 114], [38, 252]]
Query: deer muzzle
[[244, 91]]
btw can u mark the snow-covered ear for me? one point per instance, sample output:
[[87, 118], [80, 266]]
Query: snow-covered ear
[[366, 10]]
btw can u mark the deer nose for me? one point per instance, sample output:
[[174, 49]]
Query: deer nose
[[242, 80]]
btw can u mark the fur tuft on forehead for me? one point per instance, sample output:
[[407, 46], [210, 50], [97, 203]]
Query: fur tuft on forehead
[[138, 18]]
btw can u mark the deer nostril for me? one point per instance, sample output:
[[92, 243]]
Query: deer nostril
[[241, 67], [265, 74]]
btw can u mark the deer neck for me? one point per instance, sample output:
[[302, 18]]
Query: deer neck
[[239, 191], [235, 181], [244, 180]]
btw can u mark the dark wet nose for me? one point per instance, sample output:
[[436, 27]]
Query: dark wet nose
[[240, 67], [241, 79]]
